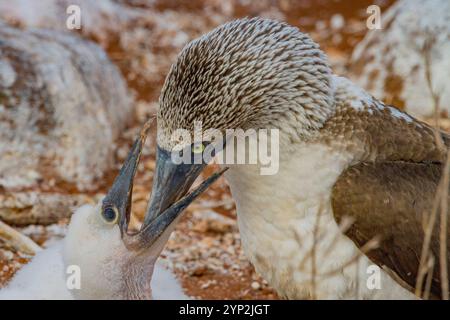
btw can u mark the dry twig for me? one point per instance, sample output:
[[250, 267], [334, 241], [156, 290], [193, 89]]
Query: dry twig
[[441, 198], [17, 240]]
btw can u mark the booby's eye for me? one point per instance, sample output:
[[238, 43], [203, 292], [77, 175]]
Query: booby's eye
[[198, 148], [110, 215]]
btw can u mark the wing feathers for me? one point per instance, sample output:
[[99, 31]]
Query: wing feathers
[[391, 200]]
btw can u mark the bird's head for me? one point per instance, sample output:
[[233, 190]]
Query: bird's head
[[250, 73], [113, 262], [246, 74]]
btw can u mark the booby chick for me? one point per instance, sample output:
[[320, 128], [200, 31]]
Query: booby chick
[[341, 153], [112, 263]]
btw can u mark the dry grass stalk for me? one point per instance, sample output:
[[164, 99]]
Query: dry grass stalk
[[313, 254], [397, 278], [430, 267], [440, 199], [345, 224], [372, 244], [443, 230], [368, 246], [428, 231]]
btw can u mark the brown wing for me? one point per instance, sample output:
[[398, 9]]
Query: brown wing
[[390, 199]]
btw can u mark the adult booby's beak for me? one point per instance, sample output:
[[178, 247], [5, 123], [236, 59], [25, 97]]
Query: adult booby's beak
[[168, 199], [153, 229], [171, 181]]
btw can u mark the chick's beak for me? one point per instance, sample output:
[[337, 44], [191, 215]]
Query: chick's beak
[[120, 193], [169, 194]]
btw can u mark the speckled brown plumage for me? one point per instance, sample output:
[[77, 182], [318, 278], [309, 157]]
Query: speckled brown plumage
[[377, 132], [390, 187]]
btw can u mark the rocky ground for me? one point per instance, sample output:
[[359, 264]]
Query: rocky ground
[[143, 41]]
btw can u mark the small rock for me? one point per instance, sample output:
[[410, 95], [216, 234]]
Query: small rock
[[122, 153], [64, 113], [199, 271], [337, 22], [201, 226], [208, 283], [211, 221], [255, 285], [6, 255]]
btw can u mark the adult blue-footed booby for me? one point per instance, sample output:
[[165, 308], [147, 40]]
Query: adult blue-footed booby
[[341, 153], [112, 263]]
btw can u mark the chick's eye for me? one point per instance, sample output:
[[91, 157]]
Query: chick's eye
[[198, 148], [110, 215]]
